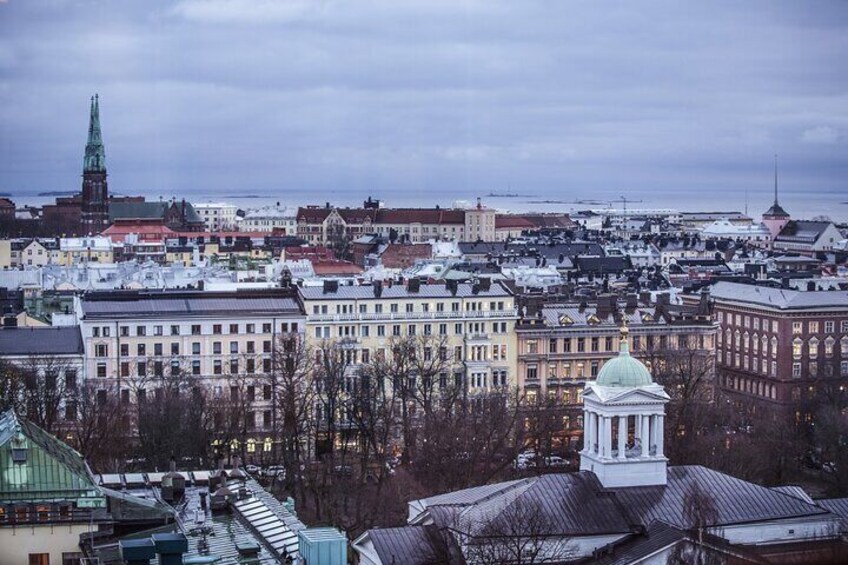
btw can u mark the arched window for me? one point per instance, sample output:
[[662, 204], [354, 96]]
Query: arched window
[[828, 346], [774, 347], [797, 346], [813, 345]]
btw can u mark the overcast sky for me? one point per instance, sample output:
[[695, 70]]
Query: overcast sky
[[546, 97]]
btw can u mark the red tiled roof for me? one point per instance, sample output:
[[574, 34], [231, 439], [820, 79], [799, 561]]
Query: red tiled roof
[[533, 221], [334, 267], [401, 256], [420, 215], [317, 215], [148, 231], [513, 222], [309, 252]]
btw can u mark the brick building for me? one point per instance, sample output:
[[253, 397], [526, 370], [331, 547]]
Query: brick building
[[776, 345]]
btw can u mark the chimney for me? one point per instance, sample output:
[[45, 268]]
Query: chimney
[[170, 548], [632, 302], [136, 551], [414, 285], [378, 289], [331, 286], [485, 284], [604, 308], [173, 483], [452, 286], [645, 297], [811, 285]]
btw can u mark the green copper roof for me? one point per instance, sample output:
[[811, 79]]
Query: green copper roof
[[95, 154], [624, 370], [47, 468]]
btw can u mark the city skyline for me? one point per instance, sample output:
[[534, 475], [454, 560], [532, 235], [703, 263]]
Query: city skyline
[[405, 101]]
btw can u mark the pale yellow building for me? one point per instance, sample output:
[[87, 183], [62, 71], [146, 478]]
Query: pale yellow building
[[474, 322]]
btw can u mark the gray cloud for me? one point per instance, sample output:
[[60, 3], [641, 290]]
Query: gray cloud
[[577, 97]]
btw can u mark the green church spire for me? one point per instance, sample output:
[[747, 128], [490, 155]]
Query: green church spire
[[95, 154]]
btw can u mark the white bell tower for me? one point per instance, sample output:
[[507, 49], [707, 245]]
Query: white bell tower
[[623, 413]]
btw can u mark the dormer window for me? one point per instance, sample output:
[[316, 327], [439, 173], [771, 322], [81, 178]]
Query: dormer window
[[19, 455], [565, 320]]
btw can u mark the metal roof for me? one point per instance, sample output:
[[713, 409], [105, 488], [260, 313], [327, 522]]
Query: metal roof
[[64, 475], [577, 504], [779, 298], [658, 535], [258, 519], [199, 306], [398, 291], [61, 340], [410, 545], [736, 501]]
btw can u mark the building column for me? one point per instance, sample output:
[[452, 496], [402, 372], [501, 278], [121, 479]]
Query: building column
[[622, 435], [587, 431], [608, 437], [659, 433], [646, 435], [637, 427]]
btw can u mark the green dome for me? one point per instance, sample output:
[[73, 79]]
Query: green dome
[[624, 370]]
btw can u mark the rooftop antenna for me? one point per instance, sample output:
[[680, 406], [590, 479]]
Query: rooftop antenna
[[775, 179], [746, 200]]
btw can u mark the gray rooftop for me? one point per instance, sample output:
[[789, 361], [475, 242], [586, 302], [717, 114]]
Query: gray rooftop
[[397, 291], [778, 298], [161, 305], [736, 501], [63, 340]]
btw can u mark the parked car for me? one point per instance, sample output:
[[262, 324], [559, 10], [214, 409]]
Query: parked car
[[274, 471], [555, 461], [253, 469]]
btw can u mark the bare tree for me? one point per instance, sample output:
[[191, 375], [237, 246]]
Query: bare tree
[[293, 391], [519, 534], [98, 426]]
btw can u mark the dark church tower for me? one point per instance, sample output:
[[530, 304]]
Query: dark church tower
[[95, 194]]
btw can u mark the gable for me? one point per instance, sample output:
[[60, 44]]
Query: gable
[[36, 466]]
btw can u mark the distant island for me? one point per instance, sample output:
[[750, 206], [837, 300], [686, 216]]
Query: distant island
[[508, 195], [5, 194], [58, 193]]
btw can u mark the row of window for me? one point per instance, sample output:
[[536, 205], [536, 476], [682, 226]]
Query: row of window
[[813, 349], [193, 329], [599, 344], [532, 372], [756, 323], [749, 364], [102, 349], [409, 307], [750, 386], [397, 330]]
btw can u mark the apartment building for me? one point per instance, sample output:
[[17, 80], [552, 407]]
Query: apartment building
[[53, 360], [319, 225], [270, 218], [217, 216], [565, 345], [473, 322], [226, 339], [776, 346]]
